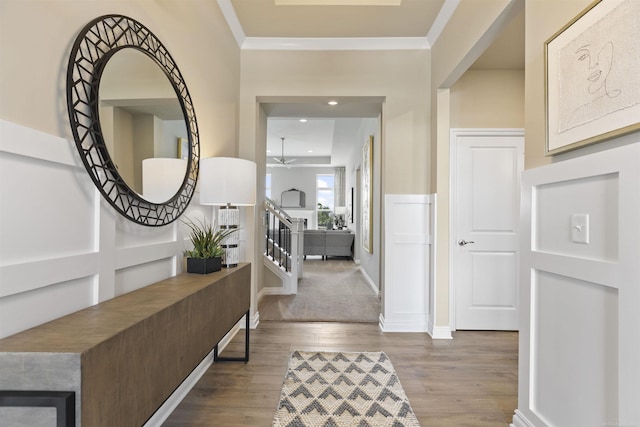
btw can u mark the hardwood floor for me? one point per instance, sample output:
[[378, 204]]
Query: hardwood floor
[[468, 381]]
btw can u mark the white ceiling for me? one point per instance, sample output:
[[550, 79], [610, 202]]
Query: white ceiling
[[329, 133], [345, 24]]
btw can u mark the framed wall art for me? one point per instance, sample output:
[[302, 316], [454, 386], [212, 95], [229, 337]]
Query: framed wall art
[[366, 223], [183, 148], [592, 76]]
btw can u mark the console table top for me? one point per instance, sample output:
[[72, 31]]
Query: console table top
[[82, 330]]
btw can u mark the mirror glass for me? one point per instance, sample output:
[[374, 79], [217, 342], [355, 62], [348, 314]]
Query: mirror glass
[[128, 105], [141, 119]]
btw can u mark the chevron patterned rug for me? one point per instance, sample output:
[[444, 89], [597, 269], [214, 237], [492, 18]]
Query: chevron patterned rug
[[324, 389]]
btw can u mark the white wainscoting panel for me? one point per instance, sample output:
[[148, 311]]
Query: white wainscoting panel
[[23, 310], [138, 276], [44, 208], [553, 215], [579, 355], [567, 361], [62, 247], [407, 265]]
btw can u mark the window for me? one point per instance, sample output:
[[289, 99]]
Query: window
[[268, 186], [324, 200]]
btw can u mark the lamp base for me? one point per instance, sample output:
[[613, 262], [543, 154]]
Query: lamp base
[[230, 256], [229, 217]]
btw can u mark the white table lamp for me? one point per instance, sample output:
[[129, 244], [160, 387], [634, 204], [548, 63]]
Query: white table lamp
[[228, 182]]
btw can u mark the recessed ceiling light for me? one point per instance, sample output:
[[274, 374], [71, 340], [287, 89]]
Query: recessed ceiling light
[[333, 103], [303, 120], [309, 151]]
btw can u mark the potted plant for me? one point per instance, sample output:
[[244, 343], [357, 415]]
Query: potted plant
[[206, 255]]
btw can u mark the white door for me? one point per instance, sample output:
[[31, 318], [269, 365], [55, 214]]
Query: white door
[[486, 167]]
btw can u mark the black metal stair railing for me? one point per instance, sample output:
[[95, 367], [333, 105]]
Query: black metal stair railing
[[278, 225]]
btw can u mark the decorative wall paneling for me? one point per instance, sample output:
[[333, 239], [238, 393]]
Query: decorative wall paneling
[[408, 262], [62, 247], [580, 323]]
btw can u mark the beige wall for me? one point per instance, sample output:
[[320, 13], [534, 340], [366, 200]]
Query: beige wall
[[479, 99], [400, 76], [36, 37], [452, 54], [470, 22], [488, 99], [418, 111]]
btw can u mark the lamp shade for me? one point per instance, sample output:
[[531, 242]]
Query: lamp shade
[[162, 178], [227, 180], [340, 210]]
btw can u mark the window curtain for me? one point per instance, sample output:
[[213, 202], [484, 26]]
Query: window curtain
[[338, 191]]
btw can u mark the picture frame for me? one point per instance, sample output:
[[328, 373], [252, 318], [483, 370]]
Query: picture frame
[[592, 77], [183, 148], [366, 223]]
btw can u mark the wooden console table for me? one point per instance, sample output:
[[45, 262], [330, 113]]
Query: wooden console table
[[124, 357]]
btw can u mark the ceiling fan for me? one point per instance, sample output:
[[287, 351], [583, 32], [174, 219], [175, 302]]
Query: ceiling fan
[[282, 160]]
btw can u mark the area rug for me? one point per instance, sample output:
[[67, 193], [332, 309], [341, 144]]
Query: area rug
[[325, 389]]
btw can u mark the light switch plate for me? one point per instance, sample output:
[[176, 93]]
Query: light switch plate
[[580, 228]]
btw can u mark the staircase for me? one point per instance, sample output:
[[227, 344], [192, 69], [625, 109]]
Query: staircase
[[284, 240]]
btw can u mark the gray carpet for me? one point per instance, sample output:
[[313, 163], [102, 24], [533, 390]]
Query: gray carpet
[[333, 290]]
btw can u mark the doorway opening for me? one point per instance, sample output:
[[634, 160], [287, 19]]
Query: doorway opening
[[308, 140]]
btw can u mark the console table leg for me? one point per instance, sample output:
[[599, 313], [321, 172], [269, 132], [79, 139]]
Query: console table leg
[[246, 337], [245, 359]]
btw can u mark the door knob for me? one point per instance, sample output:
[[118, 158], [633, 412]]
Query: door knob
[[464, 242]]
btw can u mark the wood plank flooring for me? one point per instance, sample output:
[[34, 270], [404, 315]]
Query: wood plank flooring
[[468, 381]]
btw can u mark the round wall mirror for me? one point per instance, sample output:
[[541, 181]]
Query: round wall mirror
[[133, 120], [143, 125]]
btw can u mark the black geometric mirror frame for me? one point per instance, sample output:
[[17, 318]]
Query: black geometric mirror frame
[[95, 44]]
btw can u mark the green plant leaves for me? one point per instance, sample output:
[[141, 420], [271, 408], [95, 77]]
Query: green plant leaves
[[206, 239]]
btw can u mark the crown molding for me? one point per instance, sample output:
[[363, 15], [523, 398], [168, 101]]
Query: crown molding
[[230, 16], [445, 14], [338, 43], [346, 43]]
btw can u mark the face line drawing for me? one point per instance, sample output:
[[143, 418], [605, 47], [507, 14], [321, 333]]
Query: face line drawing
[[598, 68]]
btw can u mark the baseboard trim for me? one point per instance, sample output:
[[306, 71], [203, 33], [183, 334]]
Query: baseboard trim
[[255, 321], [369, 281], [272, 290], [519, 420], [439, 332], [403, 325], [172, 402]]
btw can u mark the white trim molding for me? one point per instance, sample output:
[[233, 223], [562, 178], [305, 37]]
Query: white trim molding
[[439, 332], [579, 341], [334, 43], [337, 43], [407, 267], [369, 281], [519, 420]]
